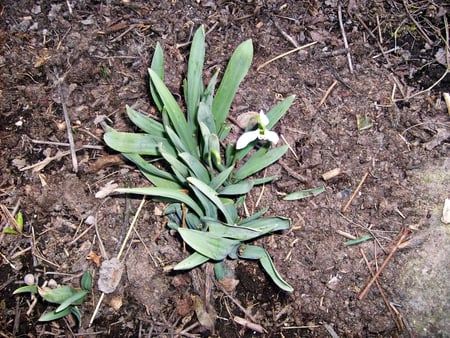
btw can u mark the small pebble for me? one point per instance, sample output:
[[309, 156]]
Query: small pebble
[[29, 279]]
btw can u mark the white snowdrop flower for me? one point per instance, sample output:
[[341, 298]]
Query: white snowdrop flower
[[262, 133]]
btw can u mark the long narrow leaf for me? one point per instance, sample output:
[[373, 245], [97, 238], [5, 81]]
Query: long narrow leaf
[[158, 67], [268, 224], [297, 195], [177, 166], [49, 316], [219, 179], [278, 111], [257, 163], [207, 244], [194, 76], [256, 252], [175, 113], [158, 177], [192, 261], [236, 70], [208, 206], [75, 299], [145, 123], [196, 167], [164, 193], [240, 188], [143, 144], [212, 195]]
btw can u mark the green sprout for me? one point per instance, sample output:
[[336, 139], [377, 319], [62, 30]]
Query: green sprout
[[66, 296], [204, 183]]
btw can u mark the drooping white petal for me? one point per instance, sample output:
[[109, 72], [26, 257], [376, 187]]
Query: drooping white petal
[[271, 136], [246, 138], [263, 119]]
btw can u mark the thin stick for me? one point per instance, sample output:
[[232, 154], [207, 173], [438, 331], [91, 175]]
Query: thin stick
[[383, 295], [284, 54], [130, 230], [327, 93], [358, 188], [344, 37], [403, 233], [97, 308], [286, 35], [69, 130]]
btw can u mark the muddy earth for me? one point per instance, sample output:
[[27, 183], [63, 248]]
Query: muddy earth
[[369, 107]]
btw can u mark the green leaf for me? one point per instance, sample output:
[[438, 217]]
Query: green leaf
[[175, 113], [278, 111], [75, 299], [256, 252], [86, 281], [27, 288], [145, 123], [158, 67], [194, 76], [219, 179], [359, 240], [19, 221], [196, 167], [158, 177], [304, 193], [230, 231], [212, 195], [207, 244], [177, 166], [236, 70], [76, 312], [176, 141], [268, 224], [250, 231], [206, 117], [192, 261], [214, 150], [259, 161], [164, 193], [240, 188], [254, 216], [263, 180], [49, 316], [57, 295], [208, 206], [143, 144]]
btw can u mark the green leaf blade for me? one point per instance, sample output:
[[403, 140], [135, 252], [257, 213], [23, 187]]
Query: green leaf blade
[[164, 193], [256, 252], [183, 130], [213, 247], [259, 161], [194, 75], [235, 72]]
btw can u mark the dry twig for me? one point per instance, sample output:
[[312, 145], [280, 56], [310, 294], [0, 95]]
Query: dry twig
[[344, 37], [285, 54], [398, 322], [358, 188], [402, 235]]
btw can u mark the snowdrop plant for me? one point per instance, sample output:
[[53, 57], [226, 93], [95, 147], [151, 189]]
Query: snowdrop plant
[[191, 164]]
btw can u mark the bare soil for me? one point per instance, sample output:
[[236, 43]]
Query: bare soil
[[91, 59]]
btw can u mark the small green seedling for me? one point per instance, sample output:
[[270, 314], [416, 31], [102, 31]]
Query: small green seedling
[[66, 296]]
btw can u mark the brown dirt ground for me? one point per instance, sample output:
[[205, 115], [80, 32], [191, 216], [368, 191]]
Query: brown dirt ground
[[93, 59]]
